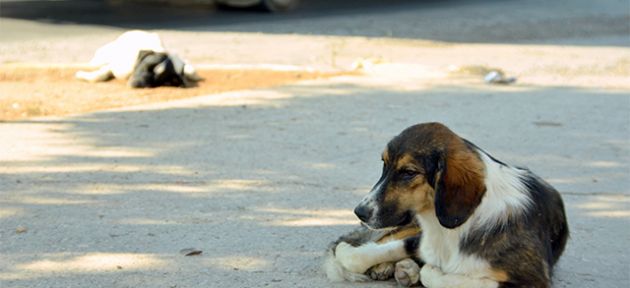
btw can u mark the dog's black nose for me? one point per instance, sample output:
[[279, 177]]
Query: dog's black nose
[[363, 212]]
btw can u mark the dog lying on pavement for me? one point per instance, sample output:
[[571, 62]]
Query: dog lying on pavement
[[484, 223], [140, 57]]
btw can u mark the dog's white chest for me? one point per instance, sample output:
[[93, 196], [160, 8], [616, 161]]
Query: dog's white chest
[[440, 248]]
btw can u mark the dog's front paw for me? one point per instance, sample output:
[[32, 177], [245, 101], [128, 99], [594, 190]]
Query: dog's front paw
[[407, 273], [381, 271], [349, 258], [429, 275]]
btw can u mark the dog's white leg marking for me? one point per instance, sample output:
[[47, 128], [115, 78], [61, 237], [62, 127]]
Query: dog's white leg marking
[[407, 273], [335, 271], [100, 75], [360, 259], [433, 277]]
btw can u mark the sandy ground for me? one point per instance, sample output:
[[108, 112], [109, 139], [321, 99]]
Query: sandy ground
[[36, 91], [261, 180]]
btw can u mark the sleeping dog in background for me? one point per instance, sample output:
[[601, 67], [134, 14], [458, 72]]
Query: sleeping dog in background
[[484, 223], [140, 57]]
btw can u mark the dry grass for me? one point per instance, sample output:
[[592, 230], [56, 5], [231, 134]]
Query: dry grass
[[46, 91]]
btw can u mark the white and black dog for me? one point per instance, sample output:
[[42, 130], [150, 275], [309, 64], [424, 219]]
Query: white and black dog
[[140, 57], [483, 223]]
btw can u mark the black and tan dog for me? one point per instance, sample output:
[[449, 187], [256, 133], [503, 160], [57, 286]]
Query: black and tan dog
[[484, 223]]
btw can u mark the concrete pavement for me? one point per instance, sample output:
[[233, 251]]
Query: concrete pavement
[[261, 181]]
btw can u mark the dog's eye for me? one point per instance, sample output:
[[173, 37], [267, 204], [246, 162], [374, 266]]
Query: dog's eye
[[408, 174]]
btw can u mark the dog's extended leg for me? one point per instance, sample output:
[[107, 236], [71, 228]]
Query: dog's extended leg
[[361, 244], [100, 75], [359, 259], [433, 277]]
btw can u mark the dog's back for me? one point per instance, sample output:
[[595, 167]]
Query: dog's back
[[551, 208]]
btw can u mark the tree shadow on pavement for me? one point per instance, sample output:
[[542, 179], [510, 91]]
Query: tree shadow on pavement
[[458, 21], [262, 181]]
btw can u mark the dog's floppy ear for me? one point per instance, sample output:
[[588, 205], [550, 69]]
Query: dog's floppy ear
[[143, 54], [458, 181]]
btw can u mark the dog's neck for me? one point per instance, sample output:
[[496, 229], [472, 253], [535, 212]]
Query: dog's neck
[[438, 244], [506, 196]]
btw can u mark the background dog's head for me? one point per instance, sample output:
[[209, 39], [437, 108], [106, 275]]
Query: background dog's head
[[427, 167], [155, 69]]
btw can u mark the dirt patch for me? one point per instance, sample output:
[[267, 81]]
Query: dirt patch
[[46, 91]]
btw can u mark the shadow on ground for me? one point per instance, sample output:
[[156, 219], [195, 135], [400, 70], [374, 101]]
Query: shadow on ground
[[461, 21], [261, 182]]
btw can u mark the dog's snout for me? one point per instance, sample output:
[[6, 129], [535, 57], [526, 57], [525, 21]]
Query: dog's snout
[[363, 212]]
